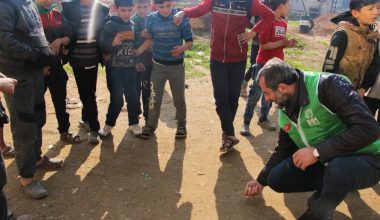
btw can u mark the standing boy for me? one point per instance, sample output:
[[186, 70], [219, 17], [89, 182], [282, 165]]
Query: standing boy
[[58, 33], [87, 18], [272, 42], [353, 45], [117, 39], [144, 61], [168, 58], [229, 53]]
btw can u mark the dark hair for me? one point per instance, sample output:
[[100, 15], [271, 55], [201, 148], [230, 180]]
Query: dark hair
[[359, 4], [273, 4], [277, 71], [161, 1], [123, 3], [141, 1]]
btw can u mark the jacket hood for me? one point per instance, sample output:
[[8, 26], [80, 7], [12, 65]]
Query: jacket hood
[[345, 16], [118, 19]]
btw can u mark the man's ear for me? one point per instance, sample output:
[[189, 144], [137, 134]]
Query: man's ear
[[282, 87]]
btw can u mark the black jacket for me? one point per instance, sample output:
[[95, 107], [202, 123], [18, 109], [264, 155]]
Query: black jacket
[[21, 34], [337, 95]]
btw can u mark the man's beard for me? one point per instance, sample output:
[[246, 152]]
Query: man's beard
[[282, 99]]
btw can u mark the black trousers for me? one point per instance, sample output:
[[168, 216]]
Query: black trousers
[[332, 182], [226, 81], [143, 89], [57, 82], [86, 79], [374, 106]]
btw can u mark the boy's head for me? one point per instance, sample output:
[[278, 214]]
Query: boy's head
[[142, 7], [281, 7], [46, 4], [365, 11], [164, 7], [124, 9]]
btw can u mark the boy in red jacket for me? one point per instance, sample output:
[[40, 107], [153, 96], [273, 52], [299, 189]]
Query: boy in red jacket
[[229, 53]]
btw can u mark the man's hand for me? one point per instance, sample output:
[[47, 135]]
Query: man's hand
[[7, 85], [117, 40], [56, 45], [304, 157], [177, 50], [178, 17], [253, 188], [362, 92]]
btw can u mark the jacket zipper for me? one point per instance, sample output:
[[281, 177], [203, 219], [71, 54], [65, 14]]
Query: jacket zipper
[[300, 131], [225, 34]]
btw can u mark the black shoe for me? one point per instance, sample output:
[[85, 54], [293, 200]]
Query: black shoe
[[146, 133], [181, 132], [308, 215]]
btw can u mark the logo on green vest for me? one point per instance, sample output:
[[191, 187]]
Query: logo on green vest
[[310, 119]]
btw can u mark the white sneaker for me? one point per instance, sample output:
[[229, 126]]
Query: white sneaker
[[106, 131], [135, 129], [244, 130], [93, 138]]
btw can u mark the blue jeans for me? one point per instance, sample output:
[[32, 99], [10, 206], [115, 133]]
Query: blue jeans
[[122, 81], [332, 182], [253, 97]]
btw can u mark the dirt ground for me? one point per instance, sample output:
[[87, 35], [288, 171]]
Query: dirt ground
[[125, 177]]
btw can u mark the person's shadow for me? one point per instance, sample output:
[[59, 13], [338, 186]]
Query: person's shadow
[[230, 202]]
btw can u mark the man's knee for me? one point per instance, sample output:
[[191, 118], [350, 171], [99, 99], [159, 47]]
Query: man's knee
[[277, 182]]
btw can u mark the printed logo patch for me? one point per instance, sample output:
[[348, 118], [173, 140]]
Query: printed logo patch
[[287, 127], [279, 31]]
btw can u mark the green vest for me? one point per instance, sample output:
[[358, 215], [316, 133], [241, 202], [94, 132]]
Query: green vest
[[316, 123]]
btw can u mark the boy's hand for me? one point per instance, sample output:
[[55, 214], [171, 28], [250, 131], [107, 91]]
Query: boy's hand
[[362, 92], [246, 36], [177, 50], [7, 85], [117, 40], [253, 188], [106, 57], [140, 67], [46, 71], [178, 17], [56, 45], [291, 43]]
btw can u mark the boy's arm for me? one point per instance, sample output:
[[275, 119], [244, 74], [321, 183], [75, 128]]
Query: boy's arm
[[144, 46], [198, 10], [335, 52], [372, 72], [12, 47], [106, 38], [267, 18]]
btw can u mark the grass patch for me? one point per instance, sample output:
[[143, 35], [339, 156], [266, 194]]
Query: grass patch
[[294, 23], [191, 71]]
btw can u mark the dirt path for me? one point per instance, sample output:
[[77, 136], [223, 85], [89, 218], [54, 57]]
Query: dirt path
[[124, 177]]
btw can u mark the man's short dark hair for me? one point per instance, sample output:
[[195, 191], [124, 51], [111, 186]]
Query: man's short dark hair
[[123, 3], [141, 1], [276, 71], [359, 4]]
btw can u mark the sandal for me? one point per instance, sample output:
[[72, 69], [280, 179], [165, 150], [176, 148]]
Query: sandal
[[228, 143], [8, 152], [70, 137]]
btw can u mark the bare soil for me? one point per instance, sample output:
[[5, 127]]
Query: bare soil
[[125, 177]]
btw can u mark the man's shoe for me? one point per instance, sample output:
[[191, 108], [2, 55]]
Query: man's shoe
[[84, 124], [309, 215], [106, 131], [10, 215], [181, 132], [244, 130], [93, 138], [243, 89], [146, 133], [267, 125], [34, 190], [135, 129], [50, 163], [228, 142], [70, 137]]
